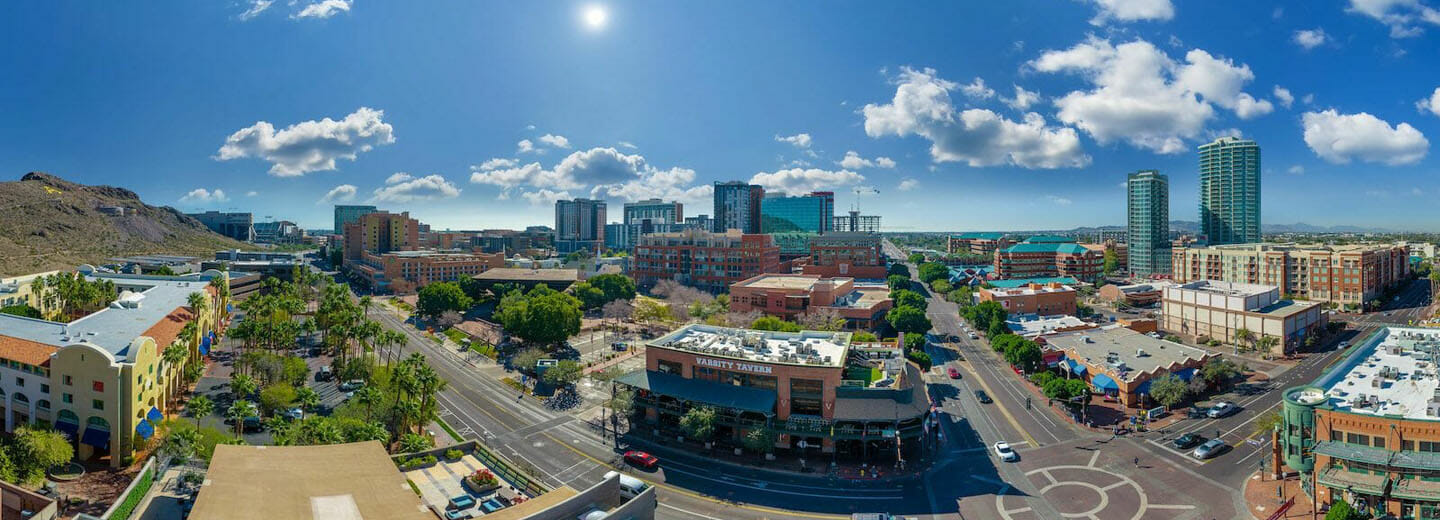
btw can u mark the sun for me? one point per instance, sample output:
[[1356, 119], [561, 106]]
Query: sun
[[595, 16]]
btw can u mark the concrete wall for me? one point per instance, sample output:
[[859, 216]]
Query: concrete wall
[[16, 498], [604, 496]]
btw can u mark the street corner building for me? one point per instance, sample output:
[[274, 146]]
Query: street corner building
[[100, 377], [816, 390], [1121, 363], [1367, 431]]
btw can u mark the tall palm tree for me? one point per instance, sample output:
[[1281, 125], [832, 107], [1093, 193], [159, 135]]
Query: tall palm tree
[[200, 406], [365, 304], [242, 386], [174, 358], [368, 397], [238, 412], [198, 302]]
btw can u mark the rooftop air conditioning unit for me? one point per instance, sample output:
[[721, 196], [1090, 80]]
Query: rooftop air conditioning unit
[[1140, 352]]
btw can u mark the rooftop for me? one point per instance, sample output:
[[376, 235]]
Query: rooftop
[[980, 236], [542, 275], [1017, 282], [1049, 239], [1392, 373], [1031, 288], [863, 297], [789, 281], [144, 301], [1047, 247], [1124, 353], [809, 347], [355, 481], [1033, 325], [1227, 288]]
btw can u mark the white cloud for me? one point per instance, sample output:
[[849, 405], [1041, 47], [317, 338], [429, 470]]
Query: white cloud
[[251, 193], [671, 184], [525, 146], [979, 137], [977, 90], [323, 9], [495, 164], [1310, 38], [908, 184], [853, 161], [1403, 17], [255, 8], [202, 195], [797, 181], [1058, 200], [310, 145], [1144, 97], [610, 172], [402, 188], [1430, 104], [1132, 10], [884, 162], [1339, 138], [1309, 99], [341, 193], [1296, 170], [1416, 191], [544, 197], [801, 140], [1022, 100], [1284, 96], [557, 141], [628, 144]]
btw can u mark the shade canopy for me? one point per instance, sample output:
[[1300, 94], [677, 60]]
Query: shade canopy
[[1104, 382]]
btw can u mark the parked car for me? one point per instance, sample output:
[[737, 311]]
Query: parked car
[[352, 385], [1222, 409], [619, 346], [1006, 454], [641, 459], [324, 374], [981, 396], [954, 374], [295, 414], [1211, 448], [973, 336], [1187, 441], [462, 502], [252, 424]]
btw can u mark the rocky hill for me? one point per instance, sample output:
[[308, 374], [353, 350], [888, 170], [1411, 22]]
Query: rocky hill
[[50, 223]]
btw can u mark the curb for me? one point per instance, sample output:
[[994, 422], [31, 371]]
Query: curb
[[819, 477]]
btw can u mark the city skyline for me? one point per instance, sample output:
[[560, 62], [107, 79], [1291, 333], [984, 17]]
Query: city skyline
[[973, 109]]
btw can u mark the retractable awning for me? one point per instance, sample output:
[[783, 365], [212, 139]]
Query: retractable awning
[[704, 392], [1074, 367], [96, 437], [144, 429], [155, 414], [1104, 382]]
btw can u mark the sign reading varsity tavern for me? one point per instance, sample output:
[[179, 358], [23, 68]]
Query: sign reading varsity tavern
[[732, 365]]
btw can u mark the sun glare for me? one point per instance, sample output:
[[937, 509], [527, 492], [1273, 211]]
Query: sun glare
[[595, 16]]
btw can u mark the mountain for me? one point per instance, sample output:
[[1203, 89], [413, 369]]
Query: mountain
[[51, 223]]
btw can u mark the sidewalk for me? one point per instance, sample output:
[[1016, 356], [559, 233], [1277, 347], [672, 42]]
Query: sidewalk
[[1262, 497], [784, 465]]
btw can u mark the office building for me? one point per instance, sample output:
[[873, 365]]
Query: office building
[[1148, 213], [819, 391], [704, 260], [239, 226], [1120, 363], [1048, 256], [649, 213], [346, 214], [1134, 295], [405, 272], [813, 213], [1047, 299], [579, 225], [1121, 252], [854, 222], [380, 232], [1349, 275], [977, 243], [1367, 431], [1220, 310], [98, 377], [856, 255], [1230, 191], [737, 206], [787, 296]]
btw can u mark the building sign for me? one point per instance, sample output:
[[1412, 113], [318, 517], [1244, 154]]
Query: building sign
[[741, 366]]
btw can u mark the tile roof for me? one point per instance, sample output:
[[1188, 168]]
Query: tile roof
[[168, 328], [26, 351]]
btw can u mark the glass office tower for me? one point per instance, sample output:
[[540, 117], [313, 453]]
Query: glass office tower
[[1148, 210], [1230, 191]]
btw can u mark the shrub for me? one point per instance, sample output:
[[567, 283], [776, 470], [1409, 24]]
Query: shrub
[[920, 358], [417, 462], [482, 477], [454, 454]]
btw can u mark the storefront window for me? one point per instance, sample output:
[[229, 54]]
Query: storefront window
[[669, 367]]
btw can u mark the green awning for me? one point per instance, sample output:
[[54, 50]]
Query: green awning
[[1415, 489], [1355, 452], [1416, 460], [704, 392], [1359, 482]]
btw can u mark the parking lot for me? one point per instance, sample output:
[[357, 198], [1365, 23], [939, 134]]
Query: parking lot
[[215, 385]]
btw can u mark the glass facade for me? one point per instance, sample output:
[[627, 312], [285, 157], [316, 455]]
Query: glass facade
[[812, 213], [1230, 191], [1148, 203]]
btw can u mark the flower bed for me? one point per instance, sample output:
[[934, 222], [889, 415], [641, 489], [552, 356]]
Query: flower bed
[[481, 481]]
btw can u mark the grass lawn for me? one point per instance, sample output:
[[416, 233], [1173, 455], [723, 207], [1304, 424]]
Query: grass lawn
[[455, 335], [867, 374]]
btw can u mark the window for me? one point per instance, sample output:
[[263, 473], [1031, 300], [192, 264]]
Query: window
[[669, 367], [1379, 442], [68, 381], [1429, 446], [1355, 438], [1407, 445], [98, 386], [97, 404], [67, 398], [19, 381], [44, 388], [1337, 436]]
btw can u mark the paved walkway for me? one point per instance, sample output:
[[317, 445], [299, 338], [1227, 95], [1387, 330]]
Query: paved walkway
[[166, 499], [441, 481], [1262, 497]]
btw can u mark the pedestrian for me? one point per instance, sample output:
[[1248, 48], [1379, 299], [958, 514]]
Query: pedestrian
[[1137, 462]]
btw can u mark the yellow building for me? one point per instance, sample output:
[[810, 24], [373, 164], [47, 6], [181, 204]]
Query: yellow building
[[101, 378], [17, 290]]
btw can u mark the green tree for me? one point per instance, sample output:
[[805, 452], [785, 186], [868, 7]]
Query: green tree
[[436, 298], [941, 287], [909, 320], [775, 324], [698, 423], [962, 297], [242, 386], [615, 286], [920, 357], [590, 297], [1168, 390], [916, 258], [1341, 510], [200, 406], [238, 412], [540, 316], [898, 269], [307, 398], [909, 298], [180, 445], [564, 373], [864, 337], [414, 442], [276, 397], [760, 440], [22, 309], [525, 360], [1025, 355], [1112, 262], [1267, 423], [35, 451], [1217, 372], [898, 282], [931, 271]]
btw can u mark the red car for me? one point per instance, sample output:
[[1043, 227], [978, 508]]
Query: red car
[[641, 459], [954, 374]]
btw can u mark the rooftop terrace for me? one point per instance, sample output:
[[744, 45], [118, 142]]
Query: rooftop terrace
[[815, 348], [1392, 373]]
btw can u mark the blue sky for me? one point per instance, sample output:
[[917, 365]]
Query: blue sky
[[429, 109]]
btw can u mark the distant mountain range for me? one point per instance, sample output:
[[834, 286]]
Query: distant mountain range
[[51, 223], [1191, 226]]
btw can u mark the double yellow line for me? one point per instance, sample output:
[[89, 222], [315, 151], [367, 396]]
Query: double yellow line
[[1004, 411]]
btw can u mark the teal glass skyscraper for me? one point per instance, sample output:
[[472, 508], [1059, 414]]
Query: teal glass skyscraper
[[1148, 209], [813, 213], [1230, 191]]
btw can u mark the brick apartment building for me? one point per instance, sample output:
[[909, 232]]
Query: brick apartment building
[[1349, 275], [856, 255], [977, 243], [789, 295], [1044, 258], [404, 272], [703, 259], [1039, 299], [380, 232]]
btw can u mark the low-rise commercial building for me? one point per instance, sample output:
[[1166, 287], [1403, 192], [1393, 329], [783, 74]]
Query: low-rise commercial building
[[1134, 295], [1350, 275], [1367, 431], [526, 278], [1031, 326], [1040, 299], [99, 378], [404, 272], [1048, 256], [977, 243], [1221, 310], [856, 255], [702, 259], [789, 295], [817, 390], [1121, 363]]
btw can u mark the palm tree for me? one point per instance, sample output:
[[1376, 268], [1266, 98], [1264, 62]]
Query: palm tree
[[200, 406], [1242, 335], [367, 397], [173, 357], [242, 386], [238, 412], [365, 304], [307, 398]]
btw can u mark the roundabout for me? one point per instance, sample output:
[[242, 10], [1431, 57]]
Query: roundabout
[[1076, 491]]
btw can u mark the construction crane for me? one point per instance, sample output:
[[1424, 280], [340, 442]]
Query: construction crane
[[862, 190]]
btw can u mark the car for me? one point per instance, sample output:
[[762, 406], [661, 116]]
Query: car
[[1187, 441], [352, 385], [1002, 450], [324, 374], [641, 459], [973, 336], [619, 346], [981, 396], [1222, 409], [1211, 448], [462, 502], [252, 424], [954, 374], [295, 414]]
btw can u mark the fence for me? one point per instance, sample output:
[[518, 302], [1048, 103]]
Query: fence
[[145, 476], [501, 466]]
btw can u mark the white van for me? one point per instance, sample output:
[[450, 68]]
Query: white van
[[629, 486]]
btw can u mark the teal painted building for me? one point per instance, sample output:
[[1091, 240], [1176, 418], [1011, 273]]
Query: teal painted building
[[1229, 191], [1147, 204]]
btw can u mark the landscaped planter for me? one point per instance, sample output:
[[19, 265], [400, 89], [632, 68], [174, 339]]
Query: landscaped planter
[[479, 489], [480, 482]]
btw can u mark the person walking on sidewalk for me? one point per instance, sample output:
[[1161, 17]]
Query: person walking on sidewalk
[[1137, 462]]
